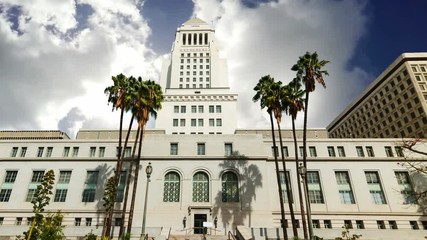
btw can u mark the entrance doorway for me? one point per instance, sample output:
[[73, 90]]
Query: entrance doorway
[[198, 223]]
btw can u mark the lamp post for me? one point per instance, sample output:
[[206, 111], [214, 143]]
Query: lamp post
[[303, 172], [148, 171]]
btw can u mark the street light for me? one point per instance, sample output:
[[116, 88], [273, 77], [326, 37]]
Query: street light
[[303, 172], [148, 171]]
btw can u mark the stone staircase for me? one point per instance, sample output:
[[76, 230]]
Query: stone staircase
[[197, 237]]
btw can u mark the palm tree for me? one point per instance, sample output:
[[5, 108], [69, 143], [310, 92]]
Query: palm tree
[[147, 99], [265, 94], [277, 93], [308, 70], [118, 95], [293, 102]]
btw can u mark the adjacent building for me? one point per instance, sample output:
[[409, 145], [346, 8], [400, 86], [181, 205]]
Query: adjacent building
[[208, 173], [393, 106]]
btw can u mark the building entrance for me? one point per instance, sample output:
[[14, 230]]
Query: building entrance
[[198, 223]]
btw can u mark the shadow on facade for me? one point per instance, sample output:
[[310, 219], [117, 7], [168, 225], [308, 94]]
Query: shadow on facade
[[420, 188], [232, 214]]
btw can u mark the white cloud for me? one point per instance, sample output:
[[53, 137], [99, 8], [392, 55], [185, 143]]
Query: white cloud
[[269, 39], [55, 72]]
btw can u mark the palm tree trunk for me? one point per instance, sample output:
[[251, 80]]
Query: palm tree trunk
[[128, 179], [304, 224], [119, 169], [304, 136], [135, 183], [116, 174], [288, 186], [276, 162]]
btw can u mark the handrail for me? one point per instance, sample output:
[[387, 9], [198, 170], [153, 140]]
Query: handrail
[[232, 236]]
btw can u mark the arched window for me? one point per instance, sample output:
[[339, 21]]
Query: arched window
[[230, 187], [200, 187], [171, 187], [184, 39], [200, 39], [195, 38], [206, 39]]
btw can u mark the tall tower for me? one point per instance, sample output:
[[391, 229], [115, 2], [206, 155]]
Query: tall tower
[[195, 84]]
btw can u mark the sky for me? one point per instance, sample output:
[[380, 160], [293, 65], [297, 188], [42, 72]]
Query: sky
[[57, 57]]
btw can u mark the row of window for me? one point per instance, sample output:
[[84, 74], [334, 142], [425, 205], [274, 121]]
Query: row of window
[[194, 66], [194, 73], [197, 109], [61, 191], [187, 79], [341, 151], [195, 39], [194, 86], [197, 122], [230, 187], [359, 224], [93, 152], [195, 55]]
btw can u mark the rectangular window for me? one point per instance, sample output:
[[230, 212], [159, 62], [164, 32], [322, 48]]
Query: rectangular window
[[375, 188], [360, 224], [77, 222], [219, 122], [331, 151], [121, 187], [211, 109], [183, 109], [101, 152], [88, 195], [18, 221], [341, 151], [49, 152], [380, 225], [414, 225], [5, 195], [30, 195], [344, 187], [174, 149], [228, 149], [392, 224], [92, 177], [200, 121], [175, 122], [75, 151], [23, 151], [88, 222], [284, 188], [37, 176], [64, 177], [314, 188], [406, 188], [60, 195], [285, 151], [194, 109], [301, 151], [1, 221], [193, 122], [316, 223], [200, 108], [182, 122], [200, 149], [359, 151], [14, 152], [218, 108], [176, 109], [40, 152], [66, 152], [327, 223], [313, 152], [211, 122], [10, 176], [370, 151], [424, 223], [399, 151], [348, 224], [92, 151], [389, 151]]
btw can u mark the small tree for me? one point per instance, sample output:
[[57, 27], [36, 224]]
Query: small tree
[[40, 201], [109, 197], [51, 227]]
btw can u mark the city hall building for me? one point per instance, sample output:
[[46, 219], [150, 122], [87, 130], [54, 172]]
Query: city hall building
[[206, 172]]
